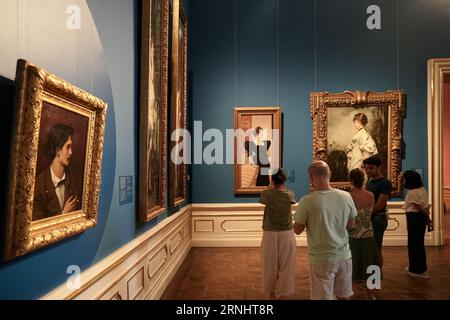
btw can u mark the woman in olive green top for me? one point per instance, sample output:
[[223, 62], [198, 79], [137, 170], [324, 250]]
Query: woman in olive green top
[[278, 243]]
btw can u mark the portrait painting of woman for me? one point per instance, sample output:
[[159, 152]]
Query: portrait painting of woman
[[362, 145], [355, 134], [351, 126], [257, 147]]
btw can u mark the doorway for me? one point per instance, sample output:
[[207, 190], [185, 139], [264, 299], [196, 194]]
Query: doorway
[[439, 149], [446, 155]]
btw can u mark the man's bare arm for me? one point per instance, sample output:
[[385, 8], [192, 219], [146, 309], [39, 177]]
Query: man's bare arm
[[350, 223], [298, 228], [381, 203]]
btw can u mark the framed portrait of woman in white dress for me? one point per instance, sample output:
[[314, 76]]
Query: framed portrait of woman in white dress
[[352, 126]]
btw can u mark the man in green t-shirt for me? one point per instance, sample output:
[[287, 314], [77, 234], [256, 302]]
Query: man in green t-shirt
[[326, 214]]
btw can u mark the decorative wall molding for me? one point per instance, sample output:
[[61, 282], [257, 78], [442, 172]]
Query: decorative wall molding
[[447, 198], [142, 269], [239, 225]]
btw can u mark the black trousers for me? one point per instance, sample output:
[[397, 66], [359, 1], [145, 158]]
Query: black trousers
[[416, 241]]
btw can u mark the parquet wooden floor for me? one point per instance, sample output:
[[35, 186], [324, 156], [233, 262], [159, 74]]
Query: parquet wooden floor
[[234, 274]]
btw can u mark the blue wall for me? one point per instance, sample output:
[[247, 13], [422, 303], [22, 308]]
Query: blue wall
[[348, 57], [102, 58]]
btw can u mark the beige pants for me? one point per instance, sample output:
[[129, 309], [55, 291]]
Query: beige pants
[[278, 262]]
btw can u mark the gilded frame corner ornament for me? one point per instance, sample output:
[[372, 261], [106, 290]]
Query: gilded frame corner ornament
[[35, 86], [394, 100], [146, 213], [178, 108]]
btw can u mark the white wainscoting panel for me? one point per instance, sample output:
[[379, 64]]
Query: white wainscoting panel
[[239, 225], [142, 269]]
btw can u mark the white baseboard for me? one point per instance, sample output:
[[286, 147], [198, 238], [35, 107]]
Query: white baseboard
[[239, 225], [142, 269]]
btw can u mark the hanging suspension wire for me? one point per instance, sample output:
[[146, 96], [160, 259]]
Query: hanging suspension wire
[[17, 13], [278, 54], [398, 46], [235, 53], [315, 46]]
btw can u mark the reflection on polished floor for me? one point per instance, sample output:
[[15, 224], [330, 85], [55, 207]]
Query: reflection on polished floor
[[234, 274]]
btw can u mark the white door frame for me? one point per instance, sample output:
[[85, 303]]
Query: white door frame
[[437, 68]]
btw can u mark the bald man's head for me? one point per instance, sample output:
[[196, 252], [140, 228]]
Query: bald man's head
[[319, 169]]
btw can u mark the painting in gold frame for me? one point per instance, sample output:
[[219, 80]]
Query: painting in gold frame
[[336, 135], [54, 184], [257, 147], [178, 109], [153, 109]]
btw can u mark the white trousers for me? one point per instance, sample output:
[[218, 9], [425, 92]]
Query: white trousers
[[331, 280], [278, 262]]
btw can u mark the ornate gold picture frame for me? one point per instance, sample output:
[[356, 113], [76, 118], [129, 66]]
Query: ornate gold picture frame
[[153, 109], [178, 109], [334, 134], [56, 162], [257, 147]]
